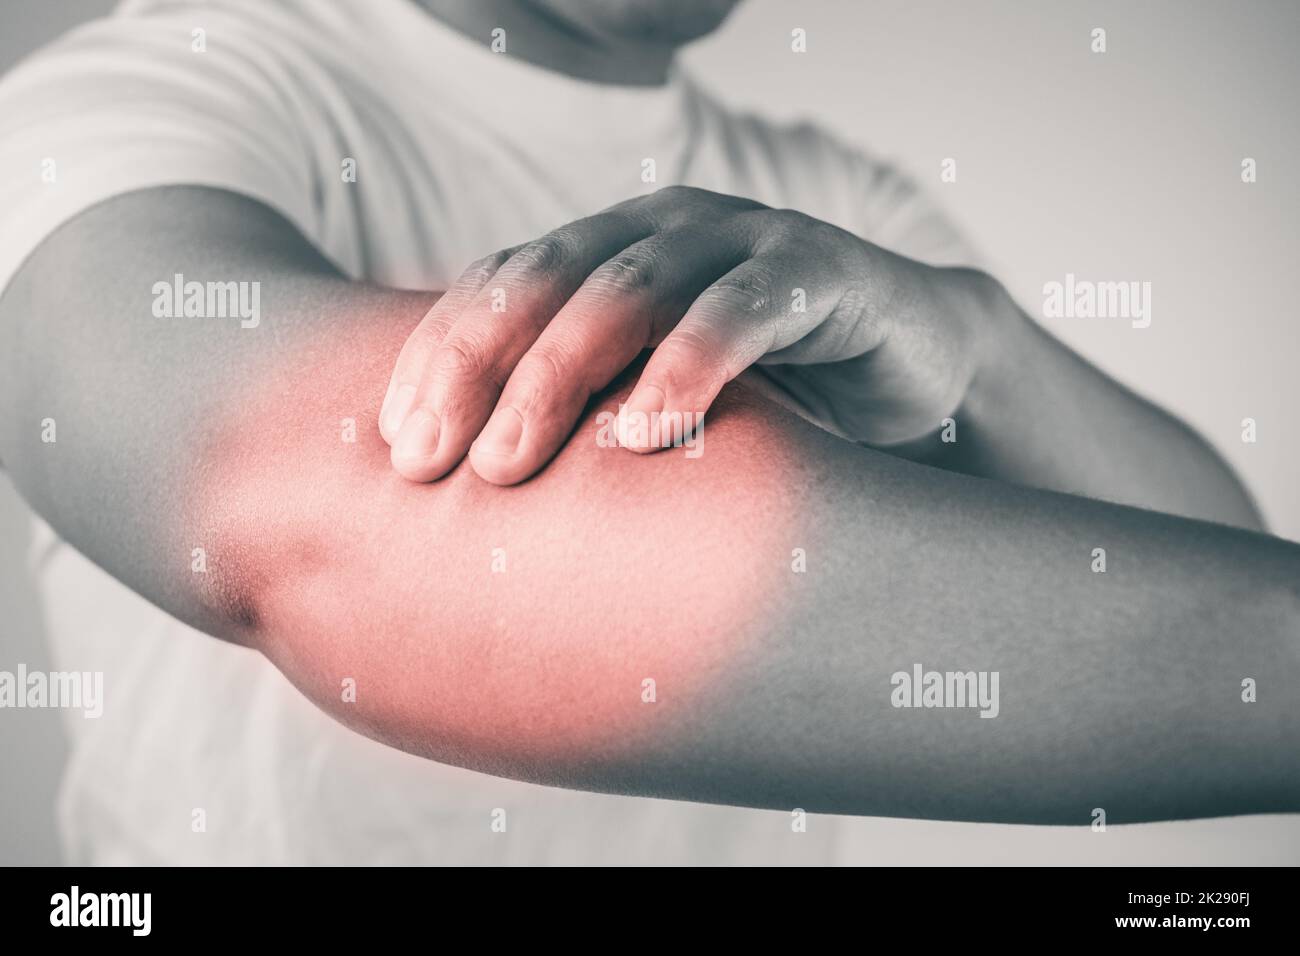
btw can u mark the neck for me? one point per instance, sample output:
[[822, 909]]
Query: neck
[[545, 39]]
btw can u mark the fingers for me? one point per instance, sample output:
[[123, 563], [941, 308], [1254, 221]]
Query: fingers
[[742, 316], [419, 346], [624, 306], [465, 360], [503, 366]]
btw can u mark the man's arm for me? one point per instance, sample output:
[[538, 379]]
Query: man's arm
[[1038, 414], [515, 630], [881, 348]]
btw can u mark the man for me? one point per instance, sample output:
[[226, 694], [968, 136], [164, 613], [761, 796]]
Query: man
[[716, 629]]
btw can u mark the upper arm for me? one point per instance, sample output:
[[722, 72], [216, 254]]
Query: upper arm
[[107, 408]]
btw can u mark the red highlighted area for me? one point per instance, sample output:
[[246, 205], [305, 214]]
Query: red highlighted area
[[483, 625]]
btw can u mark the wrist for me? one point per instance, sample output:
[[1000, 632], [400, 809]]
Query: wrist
[[996, 332], [993, 338]]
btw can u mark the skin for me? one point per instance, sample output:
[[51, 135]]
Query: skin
[[880, 349], [1120, 690]]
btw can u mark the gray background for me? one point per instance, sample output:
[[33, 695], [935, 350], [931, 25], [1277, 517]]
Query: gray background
[[1115, 166]]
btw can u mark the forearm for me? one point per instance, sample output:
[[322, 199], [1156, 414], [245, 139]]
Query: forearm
[[1039, 415]]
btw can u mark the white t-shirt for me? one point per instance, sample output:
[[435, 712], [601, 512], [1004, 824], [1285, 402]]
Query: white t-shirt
[[457, 151]]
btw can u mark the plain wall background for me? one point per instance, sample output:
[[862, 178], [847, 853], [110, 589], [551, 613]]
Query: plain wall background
[[1116, 166]]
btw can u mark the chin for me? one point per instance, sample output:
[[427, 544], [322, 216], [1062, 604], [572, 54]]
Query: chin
[[664, 22]]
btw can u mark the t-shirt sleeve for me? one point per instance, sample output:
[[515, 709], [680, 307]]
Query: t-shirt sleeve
[[817, 173], [133, 102], [886, 206], [898, 215]]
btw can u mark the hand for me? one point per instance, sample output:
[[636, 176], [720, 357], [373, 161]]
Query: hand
[[877, 346]]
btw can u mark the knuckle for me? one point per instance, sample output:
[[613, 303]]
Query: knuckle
[[482, 269], [457, 359], [748, 290], [852, 310], [425, 338], [627, 272], [544, 370], [677, 192], [785, 224], [418, 351], [675, 205], [542, 255], [460, 369], [739, 204]]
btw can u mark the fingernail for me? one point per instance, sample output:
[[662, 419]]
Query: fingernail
[[638, 419], [419, 435], [396, 407], [502, 433]]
